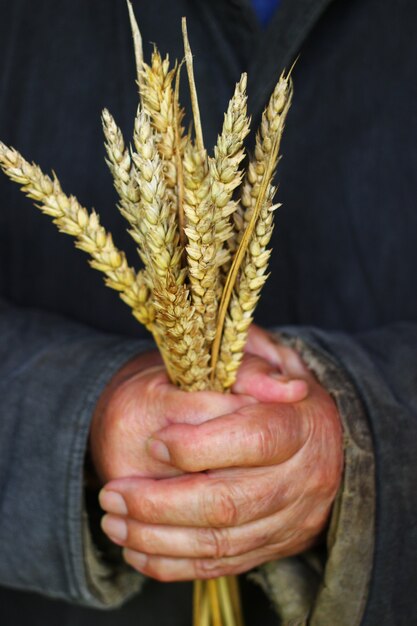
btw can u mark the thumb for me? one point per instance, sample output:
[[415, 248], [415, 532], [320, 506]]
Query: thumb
[[257, 435]]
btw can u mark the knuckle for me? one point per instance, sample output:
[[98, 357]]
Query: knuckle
[[313, 526], [318, 482], [207, 568], [265, 442], [142, 539], [324, 481], [148, 510], [221, 509], [186, 455], [215, 542]]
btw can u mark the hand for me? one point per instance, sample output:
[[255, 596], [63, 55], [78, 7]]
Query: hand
[[260, 486], [139, 401]]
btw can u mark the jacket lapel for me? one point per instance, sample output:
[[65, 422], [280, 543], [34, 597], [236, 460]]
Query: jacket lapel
[[279, 45]]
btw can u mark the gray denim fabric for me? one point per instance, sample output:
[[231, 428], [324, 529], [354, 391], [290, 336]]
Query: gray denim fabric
[[51, 375]]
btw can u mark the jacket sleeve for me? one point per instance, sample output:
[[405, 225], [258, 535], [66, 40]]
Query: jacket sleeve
[[367, 575], [51, 374]]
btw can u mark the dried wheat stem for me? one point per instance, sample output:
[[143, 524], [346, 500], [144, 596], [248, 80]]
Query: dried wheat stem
[[137, 43], [225, 601], [180, 142], [197, 601], [74, 219], [214, 602], [259, 180], [233, 585], [205, 615], [193, 91]]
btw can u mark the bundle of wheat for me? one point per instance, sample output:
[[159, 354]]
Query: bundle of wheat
[[202, 226]]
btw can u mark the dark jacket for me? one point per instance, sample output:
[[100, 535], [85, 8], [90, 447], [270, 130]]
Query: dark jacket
[[343, 279]]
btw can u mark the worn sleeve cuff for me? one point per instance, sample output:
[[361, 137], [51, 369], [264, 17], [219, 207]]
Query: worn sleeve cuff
[[330, 586], [102, 577]]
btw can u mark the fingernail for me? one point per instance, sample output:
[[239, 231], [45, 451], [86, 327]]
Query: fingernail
[[159, 451], [112, 502], [114, 527], [136, 559]]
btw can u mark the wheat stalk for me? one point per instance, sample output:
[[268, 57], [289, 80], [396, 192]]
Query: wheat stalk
[[267, 144], [75, 220], [245, 296], [199, 213], [123, 170], [259, 191], [180, 142], [224, 169], [157, 234], [159, 102], [193, 91], [201, 237], [137, 44], [209, 185]]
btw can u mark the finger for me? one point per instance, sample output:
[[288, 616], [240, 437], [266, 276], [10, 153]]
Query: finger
[[257, 435], [258, 378], [202, 500], [166, 569], [285, 358], [189, 542], [261, 343]]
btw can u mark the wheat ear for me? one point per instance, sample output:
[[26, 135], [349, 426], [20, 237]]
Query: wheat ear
[[208, 205], [182, 330], [201, 237], [159, 102], [123, 170], [199, 213], [252, 277], [258, 193], [268, 140], [75, 220], [224, 167], [157, 234]]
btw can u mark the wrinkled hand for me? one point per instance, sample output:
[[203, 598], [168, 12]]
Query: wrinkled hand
[[260, 480], [140, 400]]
